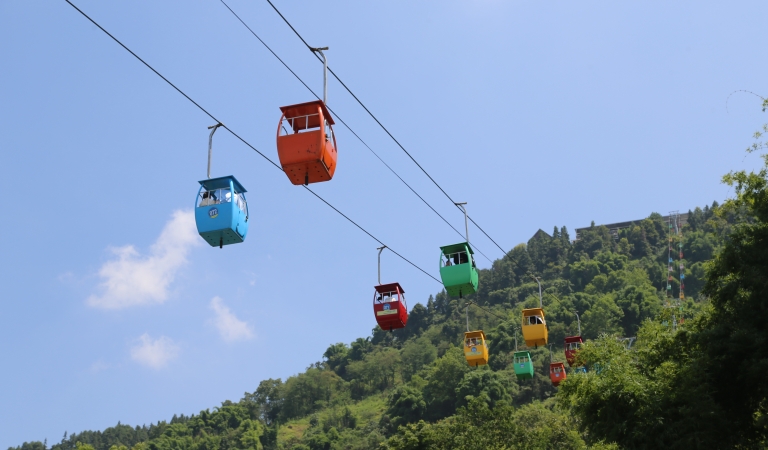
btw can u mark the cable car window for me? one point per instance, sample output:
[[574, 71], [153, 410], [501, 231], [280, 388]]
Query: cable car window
[[215, 197], [225, 195], [458, 258], [535, 320], [387, 297], [240, 200], [208, 198], [462, 258], [328, 131], [300, 124]]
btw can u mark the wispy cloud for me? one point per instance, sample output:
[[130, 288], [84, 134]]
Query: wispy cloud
[[154, 353], [99, 366], [66, 277], [230, 327], [132, 279]]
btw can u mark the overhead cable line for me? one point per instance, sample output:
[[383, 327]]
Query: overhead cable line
[[243, 140], [356, 135], [344, 123], [382, 125], [488, 311]]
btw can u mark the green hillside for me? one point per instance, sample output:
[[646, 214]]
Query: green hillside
[[694, 377]]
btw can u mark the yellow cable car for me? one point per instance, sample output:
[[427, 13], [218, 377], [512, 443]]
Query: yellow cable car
[[534, 327], [475, 348]]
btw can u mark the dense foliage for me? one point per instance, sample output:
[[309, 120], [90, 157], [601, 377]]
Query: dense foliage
[[694, 377], [701, 384]]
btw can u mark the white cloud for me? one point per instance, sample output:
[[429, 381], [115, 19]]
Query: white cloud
[[132, 279], [230, 327], [154, 353]]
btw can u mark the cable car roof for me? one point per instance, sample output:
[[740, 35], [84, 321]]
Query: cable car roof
[[454, 248], [384, 288], [222, 183], [478, 333], [570, 339], [303, 109]]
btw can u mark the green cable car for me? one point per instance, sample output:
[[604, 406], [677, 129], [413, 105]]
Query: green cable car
[[458, 270], [523, 365]]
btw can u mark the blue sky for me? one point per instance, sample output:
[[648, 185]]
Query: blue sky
[[113, 309]]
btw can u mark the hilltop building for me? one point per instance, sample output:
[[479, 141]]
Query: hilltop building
[[615, 227]]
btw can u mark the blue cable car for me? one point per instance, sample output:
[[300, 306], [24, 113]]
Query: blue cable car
[[221, 212]]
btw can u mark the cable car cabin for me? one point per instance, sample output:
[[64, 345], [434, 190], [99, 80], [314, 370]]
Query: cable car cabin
[[389, 306], [475, 348], [523, 365], [221, 212], [306, 144], [458, 270], [572, 345], [535, 330], [557, 373]]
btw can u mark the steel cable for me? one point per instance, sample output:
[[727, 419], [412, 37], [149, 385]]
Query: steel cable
[[243, 140], [346, 125], [382, 126]]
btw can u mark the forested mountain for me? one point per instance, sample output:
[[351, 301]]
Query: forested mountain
[[693, 379]]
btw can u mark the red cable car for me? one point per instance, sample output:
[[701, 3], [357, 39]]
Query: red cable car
[[572, 345], [306, 144], [389, 306], [557, 373]]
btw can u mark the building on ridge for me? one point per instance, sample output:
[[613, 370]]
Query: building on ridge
[[614, 228]]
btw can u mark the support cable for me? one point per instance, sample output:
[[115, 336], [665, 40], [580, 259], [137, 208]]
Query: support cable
[[488, 311], [243, 140], [381, 125], [345, 124], [262, 154]]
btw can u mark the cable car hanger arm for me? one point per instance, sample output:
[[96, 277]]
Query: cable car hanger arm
[[210, 145]]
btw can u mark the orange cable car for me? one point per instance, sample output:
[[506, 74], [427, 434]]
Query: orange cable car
[[557, 373], [308, 151], [307, 146]]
